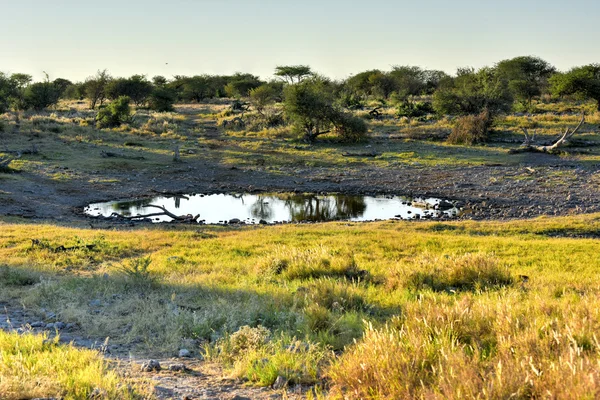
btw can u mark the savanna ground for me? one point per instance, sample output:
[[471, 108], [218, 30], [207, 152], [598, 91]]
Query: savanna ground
[[501, 303]]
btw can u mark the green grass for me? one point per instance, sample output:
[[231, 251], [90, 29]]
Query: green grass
[[33, 366], [452, 288]]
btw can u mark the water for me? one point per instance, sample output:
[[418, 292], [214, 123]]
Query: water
[[252, 208]]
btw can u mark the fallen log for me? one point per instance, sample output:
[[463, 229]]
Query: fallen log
[[370, 154], [164, 211]]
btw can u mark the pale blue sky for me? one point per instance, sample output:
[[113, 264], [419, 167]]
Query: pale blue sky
[[74, 38]]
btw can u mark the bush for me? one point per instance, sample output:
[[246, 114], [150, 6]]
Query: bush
[[348, 127], [162, 99], [470, 129], [41, 95], [115, 114], [411, 109]]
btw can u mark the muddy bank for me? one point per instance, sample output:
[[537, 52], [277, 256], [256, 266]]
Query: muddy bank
[[485, 192]]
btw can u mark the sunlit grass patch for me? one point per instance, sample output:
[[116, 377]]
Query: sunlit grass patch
[[32, 366]]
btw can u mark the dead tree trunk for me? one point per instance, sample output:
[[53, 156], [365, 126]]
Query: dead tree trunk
[[529, 146]]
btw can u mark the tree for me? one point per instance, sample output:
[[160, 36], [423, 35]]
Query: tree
[[262, 96], [195, 88], [410, 81], [371, 83], [41, 95], [19, 84], [61, 85], [310, 106], [582, 81], [7, 92], [159, 80], [527, 76], [137, 88], [291, 72], [239, 85], [95, 88], [162, 99], [472, 92]]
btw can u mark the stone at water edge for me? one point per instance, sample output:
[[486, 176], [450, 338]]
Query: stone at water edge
[[178, 368], [152, 365], [184, 353]]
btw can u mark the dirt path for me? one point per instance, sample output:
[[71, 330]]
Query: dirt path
[[178, 378]]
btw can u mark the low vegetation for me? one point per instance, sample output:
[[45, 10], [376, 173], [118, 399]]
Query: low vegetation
[[32, 366], [382, 310]]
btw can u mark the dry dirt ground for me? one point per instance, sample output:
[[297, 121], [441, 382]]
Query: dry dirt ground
[[199, 380], [546, 185]]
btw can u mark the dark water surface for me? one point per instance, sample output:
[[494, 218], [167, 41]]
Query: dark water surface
[[251, 208]]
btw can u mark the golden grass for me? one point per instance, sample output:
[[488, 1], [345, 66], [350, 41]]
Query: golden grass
[[447, 314], [32, 366]]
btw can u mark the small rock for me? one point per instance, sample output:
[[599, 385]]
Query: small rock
[[37, 324], [152, 365], [178, 368], [59, 325], [184, 353], [96, 303], [279, 382], [262, 222], [50, 326], [234, 221]]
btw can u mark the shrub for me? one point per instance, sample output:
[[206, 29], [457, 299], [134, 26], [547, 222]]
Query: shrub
[[162, 99], [411, 109], [115, 114], [348, 127], [41, 95], [470, 129]]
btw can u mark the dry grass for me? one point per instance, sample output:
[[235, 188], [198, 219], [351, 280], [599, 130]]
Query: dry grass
[[498, 347], [470, 129], [31, 366]]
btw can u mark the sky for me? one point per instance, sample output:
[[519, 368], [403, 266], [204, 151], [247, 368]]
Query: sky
[[73, 39]]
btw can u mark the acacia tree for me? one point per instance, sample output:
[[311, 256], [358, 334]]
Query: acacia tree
[[95, 88], [582, 81], [310, 106], [527, 76], [291, 72]]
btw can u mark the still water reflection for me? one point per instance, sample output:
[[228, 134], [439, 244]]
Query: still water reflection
[[251, 208]]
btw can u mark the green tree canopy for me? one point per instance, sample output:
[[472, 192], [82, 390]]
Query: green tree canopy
[[291, 72], [471, 92], [582, 81], [527, 76]]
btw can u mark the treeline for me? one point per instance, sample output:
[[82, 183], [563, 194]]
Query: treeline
[[517, 81]]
